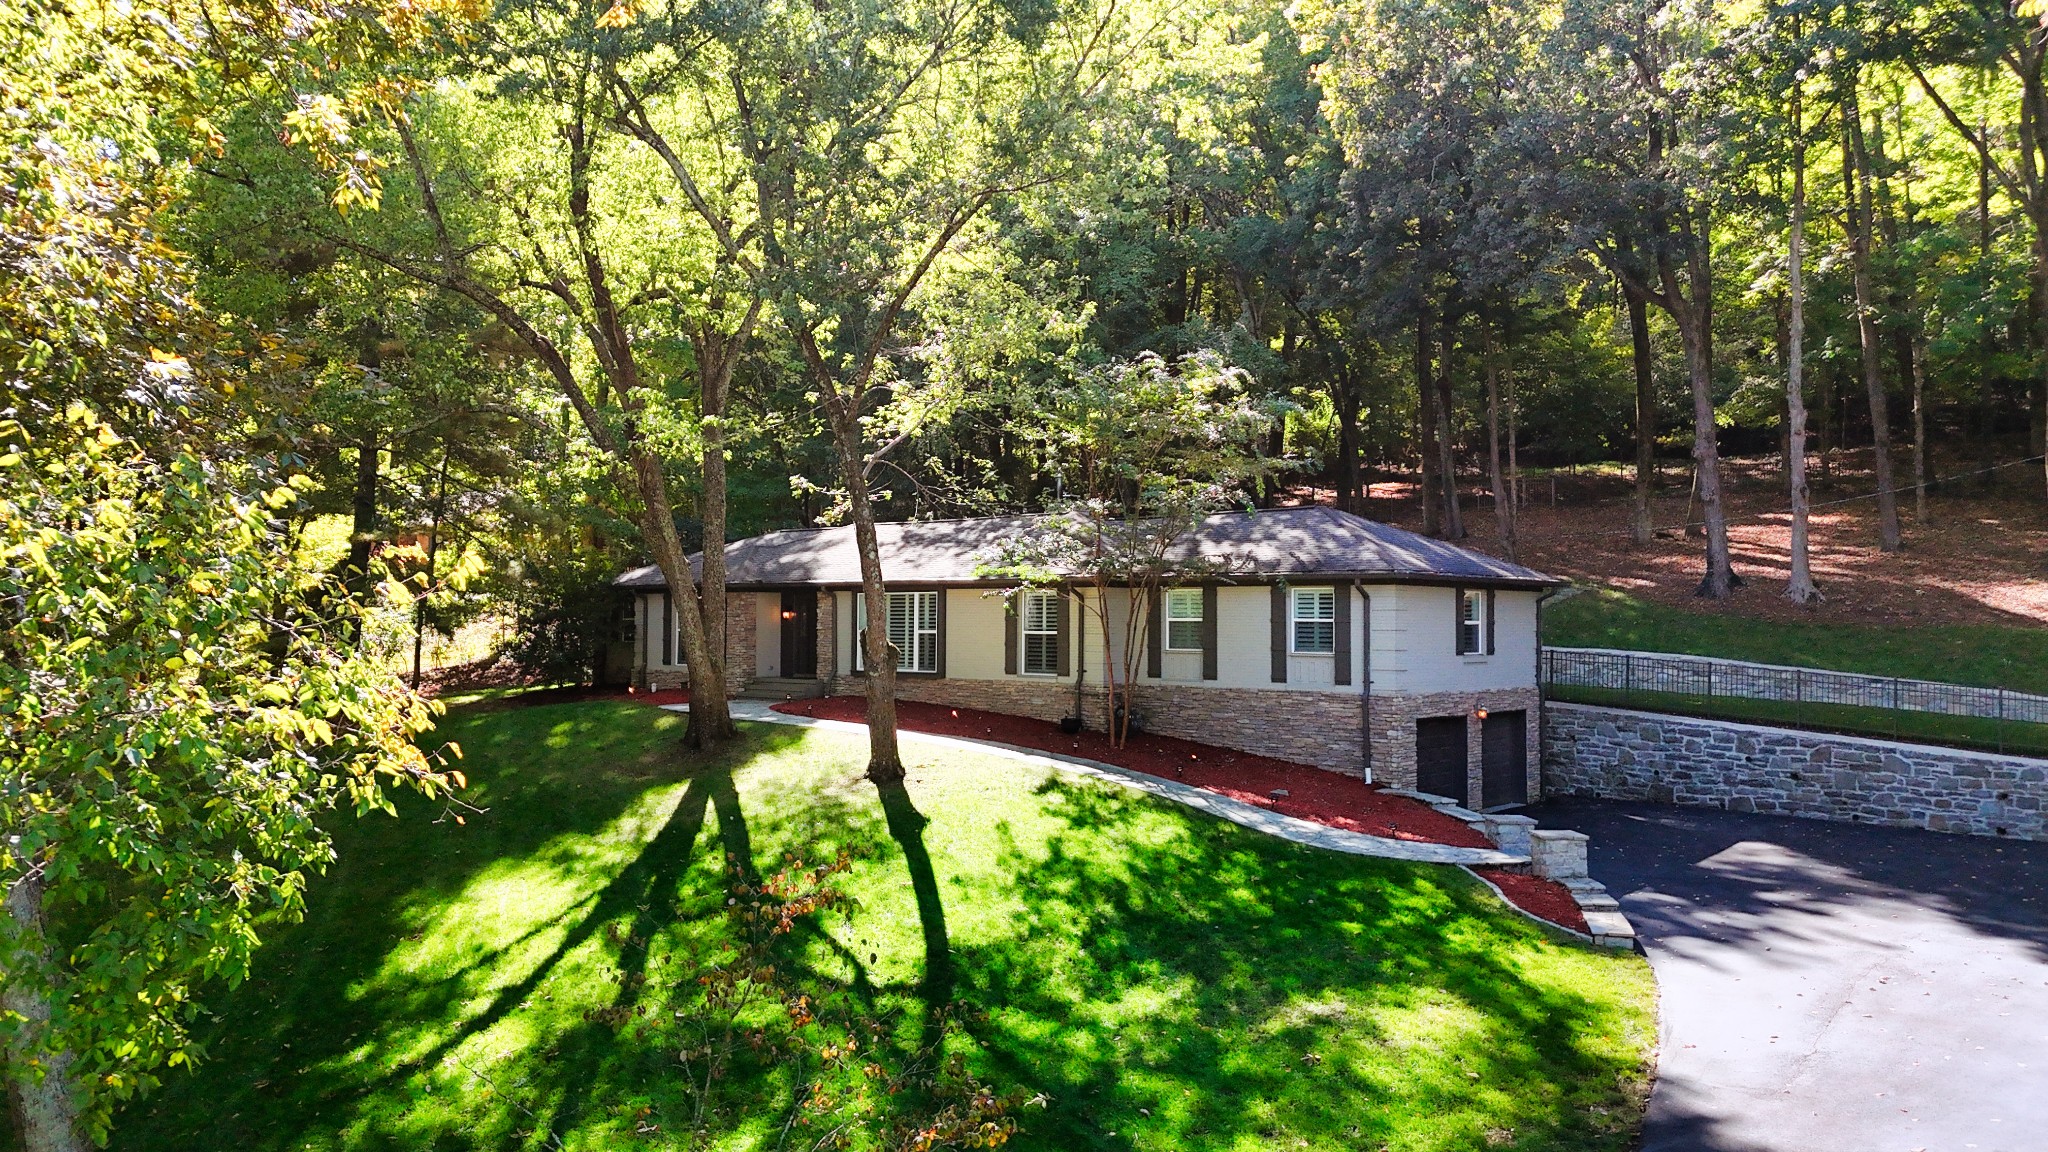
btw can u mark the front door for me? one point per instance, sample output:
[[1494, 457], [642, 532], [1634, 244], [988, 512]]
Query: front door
[[1504, 759], [1440, 756], [800, 634]]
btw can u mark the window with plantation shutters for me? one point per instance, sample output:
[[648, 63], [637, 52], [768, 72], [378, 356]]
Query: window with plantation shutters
[[1315, 621], [912, 621], [1184, 616], [1041, 624]]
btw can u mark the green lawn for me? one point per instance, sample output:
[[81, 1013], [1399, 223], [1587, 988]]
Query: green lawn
[[1989, 656], [1154, 978]]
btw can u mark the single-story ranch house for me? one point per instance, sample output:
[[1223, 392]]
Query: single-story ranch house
[[1334, 640]]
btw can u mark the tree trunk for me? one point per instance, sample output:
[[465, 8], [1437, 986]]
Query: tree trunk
[[1856, 184], [1454, 517], [1503, 502], [419, 608], [885, 758], [1799, 589], [45, 1107], [1425, 392], [1641, 526], [1347, 441], [362, 532]]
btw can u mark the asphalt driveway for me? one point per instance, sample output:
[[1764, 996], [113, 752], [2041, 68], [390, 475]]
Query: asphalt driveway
[[1833, 986]]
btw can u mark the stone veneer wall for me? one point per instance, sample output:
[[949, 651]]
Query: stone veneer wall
[[740, 626], [1624, 755], [1318, 728]]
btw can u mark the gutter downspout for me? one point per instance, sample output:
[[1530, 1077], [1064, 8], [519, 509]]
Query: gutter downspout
[[1365, 683], [1542, 701], [1080, 638]]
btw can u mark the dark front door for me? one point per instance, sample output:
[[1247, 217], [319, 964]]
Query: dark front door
[[1504, 759], [1440, 756], [800, 634]]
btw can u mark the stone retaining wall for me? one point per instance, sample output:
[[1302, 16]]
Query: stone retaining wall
[[1617, 754]]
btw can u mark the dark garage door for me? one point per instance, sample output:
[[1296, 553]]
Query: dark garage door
[[1504, 759], [1440, 756]]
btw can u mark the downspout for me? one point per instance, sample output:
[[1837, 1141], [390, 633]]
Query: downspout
[[1542, 700], [1080, 638], [1365, 683]]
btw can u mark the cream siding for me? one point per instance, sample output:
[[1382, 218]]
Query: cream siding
[[768, 630]]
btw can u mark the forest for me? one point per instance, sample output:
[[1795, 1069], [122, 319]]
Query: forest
[[385, 322]]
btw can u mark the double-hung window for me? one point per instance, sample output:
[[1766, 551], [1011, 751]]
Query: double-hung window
[[1315, 620], [1040, 618], [912, 620], [1184, 619], [1474, 634]]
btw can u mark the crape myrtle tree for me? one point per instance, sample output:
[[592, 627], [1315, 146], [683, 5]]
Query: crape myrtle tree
[[841, 158], [1143, 450]]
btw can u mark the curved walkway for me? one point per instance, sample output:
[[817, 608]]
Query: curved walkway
[[1236, 811], [1833, 987]]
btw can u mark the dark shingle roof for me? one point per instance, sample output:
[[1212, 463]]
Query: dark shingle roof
[[1282, 542]]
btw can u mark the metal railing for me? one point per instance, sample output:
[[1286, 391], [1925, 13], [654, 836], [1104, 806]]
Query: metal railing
[[1801, 697]]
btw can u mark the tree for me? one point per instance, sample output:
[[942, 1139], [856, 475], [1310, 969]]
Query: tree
[[851, 169], [175, 719], [1146, 449]]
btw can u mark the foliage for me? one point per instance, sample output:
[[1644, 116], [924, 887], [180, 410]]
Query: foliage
[[1133, 966], [1140, 451], [175, 720]]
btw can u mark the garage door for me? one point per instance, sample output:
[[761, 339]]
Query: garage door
[[1440, 756], [1504, 759]]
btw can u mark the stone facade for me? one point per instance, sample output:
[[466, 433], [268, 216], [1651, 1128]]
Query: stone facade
[[1317, 728], [1393, 734], [740, 628], [1624, 755]]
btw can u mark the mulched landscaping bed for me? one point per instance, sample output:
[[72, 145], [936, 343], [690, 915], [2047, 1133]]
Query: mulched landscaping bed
[[1542, 898], [1312, 794]]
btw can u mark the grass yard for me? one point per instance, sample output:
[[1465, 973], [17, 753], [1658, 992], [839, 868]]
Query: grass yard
[[1884, 723], [1987, 655], [1125, 974]]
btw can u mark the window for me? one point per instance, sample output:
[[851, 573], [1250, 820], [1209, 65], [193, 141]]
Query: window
[[1472, 629], [1041, 621], [625, 628], [913, 629], [1184, 619], [1315, 620]]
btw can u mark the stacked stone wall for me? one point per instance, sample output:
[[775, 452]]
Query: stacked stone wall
[[740, 628], [1623, 755]]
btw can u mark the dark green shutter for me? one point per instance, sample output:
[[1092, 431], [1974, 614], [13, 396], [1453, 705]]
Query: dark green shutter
[[1458, 621], [1063, 628], [668, 629], [1342, 647], [1279, 633], [1209, 671], [1012, 621], [939, 661], [1155, 639], [1489, 621]]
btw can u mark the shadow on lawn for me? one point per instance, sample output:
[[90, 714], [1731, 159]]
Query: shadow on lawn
[[1234, 987]]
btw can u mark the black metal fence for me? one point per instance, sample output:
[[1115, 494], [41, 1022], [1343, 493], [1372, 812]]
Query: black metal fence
[[1919, 710]]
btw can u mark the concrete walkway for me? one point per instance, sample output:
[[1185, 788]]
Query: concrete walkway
[[1236, 811], [1833, 987]]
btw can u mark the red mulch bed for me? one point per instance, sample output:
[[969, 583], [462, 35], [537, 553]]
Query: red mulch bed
[[1546, 899], [1313, 794]]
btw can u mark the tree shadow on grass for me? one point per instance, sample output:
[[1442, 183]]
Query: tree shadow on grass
[[1212, 987], [310, 1030]]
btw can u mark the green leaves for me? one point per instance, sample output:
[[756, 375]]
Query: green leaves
[[176, 715]]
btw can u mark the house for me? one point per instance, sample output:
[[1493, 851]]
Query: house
[[1334, 640]]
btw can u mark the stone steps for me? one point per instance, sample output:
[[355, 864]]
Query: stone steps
[[782, 688]]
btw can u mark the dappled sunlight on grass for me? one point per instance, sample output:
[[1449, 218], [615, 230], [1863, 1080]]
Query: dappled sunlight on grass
[[1160, 979]]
